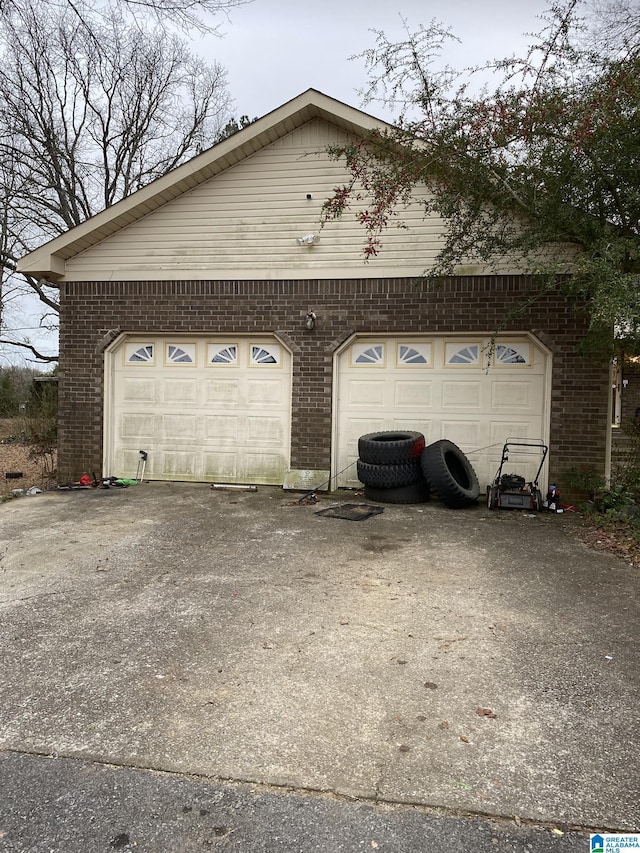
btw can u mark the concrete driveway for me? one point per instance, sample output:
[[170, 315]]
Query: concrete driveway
[[470, 661]]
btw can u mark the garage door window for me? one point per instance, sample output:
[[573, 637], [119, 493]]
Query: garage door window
[[139, 354], [413, 355], [463, 354], [265, 355], [222, 354], [512, 353], [180, 354], [369, 354]]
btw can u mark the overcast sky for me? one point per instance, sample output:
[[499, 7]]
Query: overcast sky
[[275, 49]]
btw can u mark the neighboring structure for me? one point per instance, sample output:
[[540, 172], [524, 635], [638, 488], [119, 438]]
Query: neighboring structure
[[209, 321]]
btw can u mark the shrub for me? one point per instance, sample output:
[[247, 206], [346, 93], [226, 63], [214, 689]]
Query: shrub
[[41, 425]]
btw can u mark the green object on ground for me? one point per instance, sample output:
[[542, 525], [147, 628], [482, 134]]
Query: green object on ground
[[124, 481]]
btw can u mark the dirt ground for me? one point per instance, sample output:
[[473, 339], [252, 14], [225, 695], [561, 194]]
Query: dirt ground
[[618, 540], [18, 457]]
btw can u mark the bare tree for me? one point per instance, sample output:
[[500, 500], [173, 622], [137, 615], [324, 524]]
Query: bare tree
[[615, 27], [184, 14], [88, 115]]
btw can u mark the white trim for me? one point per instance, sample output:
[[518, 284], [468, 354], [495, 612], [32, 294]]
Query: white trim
[[363, 269], [107, 406]]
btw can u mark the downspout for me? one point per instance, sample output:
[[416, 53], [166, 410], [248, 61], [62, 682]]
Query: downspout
[[608, 441]]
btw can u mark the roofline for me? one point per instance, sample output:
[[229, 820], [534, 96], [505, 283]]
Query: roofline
[[48, 261]]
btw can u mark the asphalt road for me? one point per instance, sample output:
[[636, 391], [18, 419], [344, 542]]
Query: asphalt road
[[68, 806]]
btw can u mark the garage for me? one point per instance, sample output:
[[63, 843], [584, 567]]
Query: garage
[[471, 390], [202, 409]]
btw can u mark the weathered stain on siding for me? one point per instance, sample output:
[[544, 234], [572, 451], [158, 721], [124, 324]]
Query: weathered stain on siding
[[244, 223]]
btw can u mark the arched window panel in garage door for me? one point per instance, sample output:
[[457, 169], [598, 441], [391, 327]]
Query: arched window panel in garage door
[[462, 354], [138, 353], [368, 355], [181, 354], [512, 354], [222, 354], [416, 354], [261, 355]]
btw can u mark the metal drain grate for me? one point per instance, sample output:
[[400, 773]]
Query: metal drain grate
[[351, 512]]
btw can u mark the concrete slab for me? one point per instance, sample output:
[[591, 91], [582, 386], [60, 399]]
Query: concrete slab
[[240, 636]]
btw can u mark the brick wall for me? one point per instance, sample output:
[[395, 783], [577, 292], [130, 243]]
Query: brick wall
[[93, 310]]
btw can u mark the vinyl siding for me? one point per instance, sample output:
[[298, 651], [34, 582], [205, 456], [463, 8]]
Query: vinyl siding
[[244, 224]]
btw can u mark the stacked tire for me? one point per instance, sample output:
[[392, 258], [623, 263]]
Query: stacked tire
[[396, 467], [389, 465]]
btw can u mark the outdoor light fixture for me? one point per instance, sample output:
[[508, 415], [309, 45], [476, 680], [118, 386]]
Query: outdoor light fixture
[[308, 240], [310, 320]]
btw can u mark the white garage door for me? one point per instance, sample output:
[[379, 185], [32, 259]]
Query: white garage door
[[203, 410], [445, 387]]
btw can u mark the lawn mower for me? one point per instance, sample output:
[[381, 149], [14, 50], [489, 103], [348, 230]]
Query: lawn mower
[[512, 491]]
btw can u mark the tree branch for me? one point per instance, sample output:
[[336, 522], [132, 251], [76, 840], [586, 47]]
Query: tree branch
[[49, 359]]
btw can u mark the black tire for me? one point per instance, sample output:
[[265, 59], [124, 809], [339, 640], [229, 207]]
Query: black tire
[[389, 476], [538, 500], [390, 448], [417, 493], [450, 474]]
